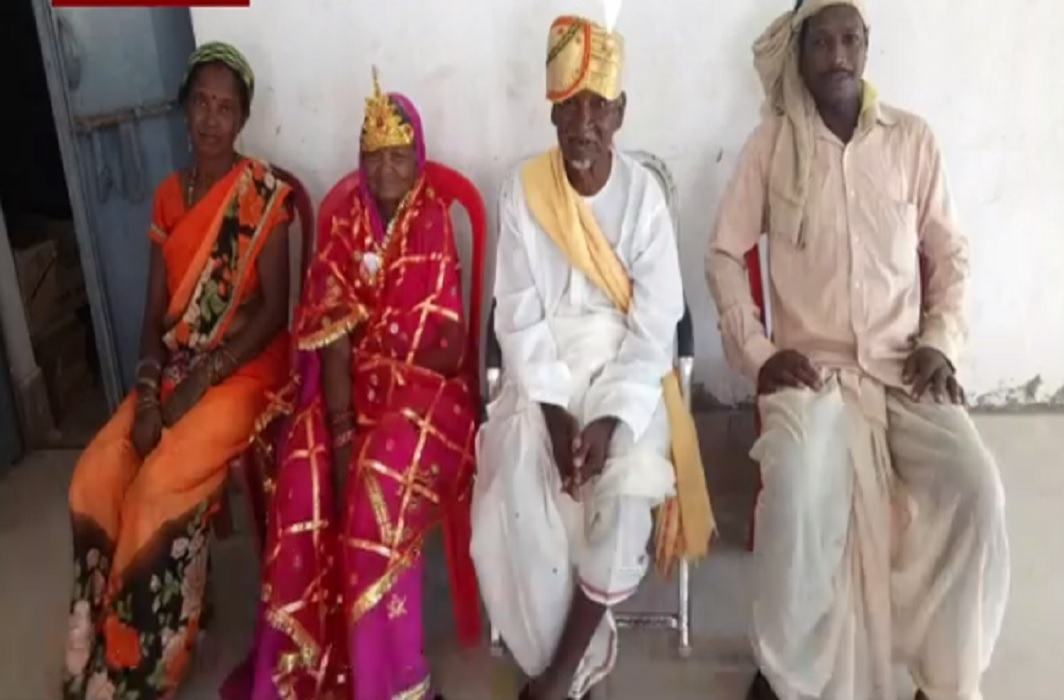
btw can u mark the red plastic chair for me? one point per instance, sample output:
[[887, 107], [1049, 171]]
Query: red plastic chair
[[246, 469], [452, 187], [757, 290], [758, 282]]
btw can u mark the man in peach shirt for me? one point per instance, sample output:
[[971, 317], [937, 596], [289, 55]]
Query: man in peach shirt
[[881, 529]]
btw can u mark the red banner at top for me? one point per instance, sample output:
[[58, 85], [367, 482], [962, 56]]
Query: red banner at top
[[151, 3]]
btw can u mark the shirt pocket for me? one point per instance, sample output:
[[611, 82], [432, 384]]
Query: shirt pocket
[[894, 238], [815, 252]]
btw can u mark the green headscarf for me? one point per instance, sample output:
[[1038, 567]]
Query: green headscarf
[[227, 54]]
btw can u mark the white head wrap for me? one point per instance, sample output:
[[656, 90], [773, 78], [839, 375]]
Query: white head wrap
[[776, 60]]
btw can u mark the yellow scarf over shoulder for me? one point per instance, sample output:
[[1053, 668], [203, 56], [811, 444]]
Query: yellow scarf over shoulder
[[684, 523]]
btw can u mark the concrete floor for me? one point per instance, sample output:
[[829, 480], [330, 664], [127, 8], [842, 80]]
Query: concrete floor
[[35, 571]]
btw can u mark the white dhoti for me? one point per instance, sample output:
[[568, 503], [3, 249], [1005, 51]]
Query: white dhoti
[[532, 544], [880, 537]]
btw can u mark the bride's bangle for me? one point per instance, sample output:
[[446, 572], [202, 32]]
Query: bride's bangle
[[343, 438], [340, 420], [220, 365]]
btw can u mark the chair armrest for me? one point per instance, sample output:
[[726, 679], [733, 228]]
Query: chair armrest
[[493, 351], [685, 352], [686, 368], [685, 334], [494, 377], [492, 357]]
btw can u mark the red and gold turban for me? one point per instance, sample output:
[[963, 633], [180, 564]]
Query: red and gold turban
[[582, 55]]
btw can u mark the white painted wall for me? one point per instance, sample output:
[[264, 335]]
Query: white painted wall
[[981, 72]]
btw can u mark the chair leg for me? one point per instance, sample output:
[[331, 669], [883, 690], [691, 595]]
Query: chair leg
[[684, 604], [496, 642], [223, 517], [253, 489]]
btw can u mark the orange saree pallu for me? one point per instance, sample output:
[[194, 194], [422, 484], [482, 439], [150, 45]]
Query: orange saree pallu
[[140, 527], [341, 615]]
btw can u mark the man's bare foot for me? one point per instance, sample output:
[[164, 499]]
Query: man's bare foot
[[920, 695], [760, 689]]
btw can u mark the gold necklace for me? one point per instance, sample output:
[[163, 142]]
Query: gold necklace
[[194, 176], [399, 212]]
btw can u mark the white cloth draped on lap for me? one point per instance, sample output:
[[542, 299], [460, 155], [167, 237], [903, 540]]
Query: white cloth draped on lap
[[532, 544], [880, 536]]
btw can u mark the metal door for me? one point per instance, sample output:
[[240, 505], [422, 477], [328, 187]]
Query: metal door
[[113, 76]]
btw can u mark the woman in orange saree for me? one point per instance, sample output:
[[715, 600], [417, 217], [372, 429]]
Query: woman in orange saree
[[213, 344], [382, 411]]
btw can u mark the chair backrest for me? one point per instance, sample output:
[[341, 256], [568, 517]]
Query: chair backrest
[[336, 201], [685, 329], [668, 186], [451, 187], [302, 213], [454, 188], [757, 283]]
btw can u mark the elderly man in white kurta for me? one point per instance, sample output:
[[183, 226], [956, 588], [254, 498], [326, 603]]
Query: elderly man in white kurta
[[578, 449], [880, 533]]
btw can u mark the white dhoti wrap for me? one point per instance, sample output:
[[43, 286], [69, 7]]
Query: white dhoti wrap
[[532, 544], [880, 536]]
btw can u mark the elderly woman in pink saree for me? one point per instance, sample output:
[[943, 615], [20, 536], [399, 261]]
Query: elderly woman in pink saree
[[381, 409]]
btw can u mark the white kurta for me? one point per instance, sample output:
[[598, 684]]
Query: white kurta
[[564, 343]]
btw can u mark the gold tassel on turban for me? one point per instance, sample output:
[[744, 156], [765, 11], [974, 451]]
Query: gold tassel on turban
[[582, 55], [776, 57]]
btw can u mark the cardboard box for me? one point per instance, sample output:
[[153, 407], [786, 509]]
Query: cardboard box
[[62, 354], [37, 282], [50, 277]]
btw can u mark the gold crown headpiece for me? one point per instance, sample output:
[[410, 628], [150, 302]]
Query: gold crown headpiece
[[383, 126]]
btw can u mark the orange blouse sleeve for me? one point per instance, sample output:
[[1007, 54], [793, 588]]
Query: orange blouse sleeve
[[167, 209]]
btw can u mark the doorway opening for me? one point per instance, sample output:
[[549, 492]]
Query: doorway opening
[[37, 211]]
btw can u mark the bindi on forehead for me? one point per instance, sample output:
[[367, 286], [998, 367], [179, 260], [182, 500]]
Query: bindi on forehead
[[216, 81], [214, 94]]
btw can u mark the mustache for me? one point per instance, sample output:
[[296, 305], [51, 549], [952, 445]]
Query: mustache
[[589, 137], [836, 72]]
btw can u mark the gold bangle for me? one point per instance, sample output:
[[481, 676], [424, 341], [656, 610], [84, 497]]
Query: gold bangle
[[340, 419], [230, 358], [220, 365], [344, 438], [146, 389], [148, 362]]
